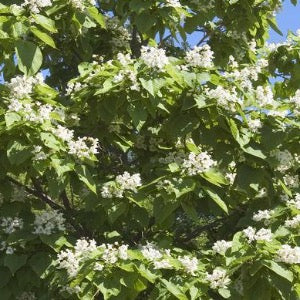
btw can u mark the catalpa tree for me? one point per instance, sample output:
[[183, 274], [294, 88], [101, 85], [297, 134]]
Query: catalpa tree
[[134, 165]]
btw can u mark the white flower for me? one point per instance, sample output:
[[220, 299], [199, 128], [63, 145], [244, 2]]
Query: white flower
[[230, 177], [36, 5], [124, 182], [221, 246], [262, 215], [69, 261], [154, 57], [123, 252], [27, 296], [22, 86], [38, 153], [49, 222], [173, 3], [10, 225], [289, 255], [162, 264], [226, 98], [98, 267], [285, 159], [71, 290], [150, 252], [200, 57], [254, 125], [294, 202], [124, 60], [63, 133], [198, 163], [264, 95], [218, 279], [190, 264], [83, 147], [291, 181], [80, 4], [261, 235], [293, 223]]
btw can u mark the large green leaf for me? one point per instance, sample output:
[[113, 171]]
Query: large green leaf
[[29, 56], [18, 152], [14, 262], [43, 37]]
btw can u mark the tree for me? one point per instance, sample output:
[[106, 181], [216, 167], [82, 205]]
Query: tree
[[136, 166]]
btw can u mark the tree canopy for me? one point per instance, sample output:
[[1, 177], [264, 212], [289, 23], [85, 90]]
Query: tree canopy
[[134, 165]]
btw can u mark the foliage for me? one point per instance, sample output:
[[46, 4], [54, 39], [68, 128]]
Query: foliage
[[134, 166]]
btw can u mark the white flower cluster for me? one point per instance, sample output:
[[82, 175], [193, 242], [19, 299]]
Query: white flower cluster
[[173, 3], [289, 255], [225, 98], [294, 202], [35, 6], [120, 35], [80, 4], [73, 87], [38, 153], [190, 264], [296, 99], [167, 185], [175, 156], [262, 234], [70, 260], [293, 223], [127, 74], [71, 290], [120, 185], [124, 59], [83, 147], [200, 57], [22, 86], [262, 215], [254, 124], [153, 254], [10, 225], [218, 279], [264, 95], [48, 222], [27, 296], [291, 181], [221, 246], [113, 252], [37, 112], [285, 159], [8, 249], [198, 163], [154, 57]]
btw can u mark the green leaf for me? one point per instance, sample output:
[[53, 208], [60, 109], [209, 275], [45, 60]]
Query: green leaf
[[225, 293], [279, 270], [138, 113], [45, 22], [94, 13], [5, 276], [272, 22], [18, 152], [39, 262], [29, 57], [56, 241], [50, 141], [43, 37], [11, 118], [174, 290], [216, 198], [145, 21], [85, 176], [214, 177], [14, 262]]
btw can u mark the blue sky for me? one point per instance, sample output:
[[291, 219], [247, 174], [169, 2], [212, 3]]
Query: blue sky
[[287, 18]]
